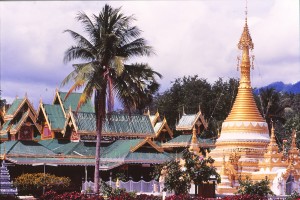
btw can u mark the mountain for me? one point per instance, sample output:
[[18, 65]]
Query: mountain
[[281, 87]]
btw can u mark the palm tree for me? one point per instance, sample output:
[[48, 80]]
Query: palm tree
[[103, 75]]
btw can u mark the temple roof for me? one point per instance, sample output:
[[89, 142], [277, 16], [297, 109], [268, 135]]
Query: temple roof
[[116, 124], [14, 106], [55, 116], [188, 121], [72, 101], [27, 148], [185, 140]]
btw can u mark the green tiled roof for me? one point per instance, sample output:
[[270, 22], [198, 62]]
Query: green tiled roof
[[5, 125], [186, 120], [206, 141], [180, 139], [118, 123], [7, 145], [58, 161], [58, 146], [73, 100], [141, 157], [86, 149], [85, 121], [21, 120], [119, 149], [14, 106], [128, 124], [55, 116], [4, 136], [30, 147]]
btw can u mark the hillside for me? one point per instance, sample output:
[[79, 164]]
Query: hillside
[[281, 87]]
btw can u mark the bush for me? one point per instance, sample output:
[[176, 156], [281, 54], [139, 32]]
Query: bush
[[33, 183], [294, 196], [245, 197], [260, 188], [147, 197], [8, 197], [52, 195], [184, 197]]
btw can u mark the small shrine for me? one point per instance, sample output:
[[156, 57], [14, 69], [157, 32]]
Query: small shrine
[[6, 186]]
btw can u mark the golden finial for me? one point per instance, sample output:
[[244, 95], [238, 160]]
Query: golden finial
[[246, 40], [41, 100], [26, 96], [194, 147], [293, 145]]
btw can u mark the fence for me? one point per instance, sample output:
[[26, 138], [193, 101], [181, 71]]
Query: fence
[[130, 186]]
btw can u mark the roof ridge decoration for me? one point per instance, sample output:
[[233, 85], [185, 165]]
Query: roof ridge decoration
[[57, 95], [164, 124], [150, 142], [46, 116]]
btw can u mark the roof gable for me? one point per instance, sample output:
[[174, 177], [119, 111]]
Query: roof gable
[[54, 116], [72, 101], [159, 126], [149, 142], [16, 106], [188, 121]]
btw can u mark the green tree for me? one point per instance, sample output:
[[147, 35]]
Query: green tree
[[270, 106], [260, 188], [215, 100], [111, 41], [180, 175]]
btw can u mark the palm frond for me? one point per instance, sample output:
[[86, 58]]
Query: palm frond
[[77, 52]]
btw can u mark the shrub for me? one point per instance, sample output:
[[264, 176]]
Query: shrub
[[245, 197], [260, 188], [184, 197], [34, 183], [8, 197], [52, 195], [294, 196]]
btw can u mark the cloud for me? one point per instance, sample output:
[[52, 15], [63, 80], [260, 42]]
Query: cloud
[[190, 37]]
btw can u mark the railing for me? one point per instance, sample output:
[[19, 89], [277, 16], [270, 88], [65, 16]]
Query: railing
[[130, 186]]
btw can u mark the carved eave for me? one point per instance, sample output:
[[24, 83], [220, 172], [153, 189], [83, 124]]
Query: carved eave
[[70, 120], [163, 126], [150, 142], [23, 119], [155, 118], [57, 97], [42, 109], [25, 100]]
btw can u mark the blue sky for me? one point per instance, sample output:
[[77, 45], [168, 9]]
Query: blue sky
[[189, 37]]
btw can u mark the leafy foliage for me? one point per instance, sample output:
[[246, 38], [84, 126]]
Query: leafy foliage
[[180, 174], [38, 180], [192, 92], [260, 188], [294, 196], [245, 197], [8, 197], [52, 195]]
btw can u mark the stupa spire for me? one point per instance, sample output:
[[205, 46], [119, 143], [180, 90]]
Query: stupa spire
[[244, 108]]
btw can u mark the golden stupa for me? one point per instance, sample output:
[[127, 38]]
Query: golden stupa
[[244, 147]]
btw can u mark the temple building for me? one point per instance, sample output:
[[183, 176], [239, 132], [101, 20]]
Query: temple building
[[244, 148], [59, 135]]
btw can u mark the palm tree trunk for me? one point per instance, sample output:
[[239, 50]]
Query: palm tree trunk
[[100, 105]]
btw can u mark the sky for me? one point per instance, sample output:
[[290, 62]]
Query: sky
[[189, 38]]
